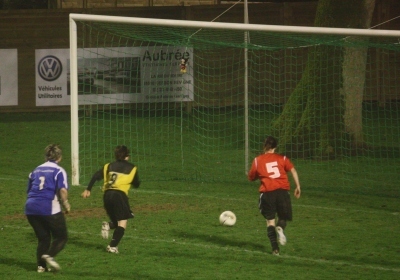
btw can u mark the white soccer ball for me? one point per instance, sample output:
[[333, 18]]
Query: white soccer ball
[[227, 218]]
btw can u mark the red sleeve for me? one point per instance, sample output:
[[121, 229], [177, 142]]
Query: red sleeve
[[288, 164], [252, 175]]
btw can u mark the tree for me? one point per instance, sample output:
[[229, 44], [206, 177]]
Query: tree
[[354, 66], [322, 117]]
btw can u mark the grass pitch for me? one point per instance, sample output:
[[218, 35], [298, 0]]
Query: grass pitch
[[337, 233]]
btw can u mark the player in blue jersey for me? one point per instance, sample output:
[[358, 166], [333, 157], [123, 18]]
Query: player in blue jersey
[[118, 178], [47, 187]]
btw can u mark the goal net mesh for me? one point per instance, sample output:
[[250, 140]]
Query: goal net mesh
[[197, 103]]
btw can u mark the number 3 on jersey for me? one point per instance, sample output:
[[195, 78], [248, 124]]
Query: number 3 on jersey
[[272, 168]]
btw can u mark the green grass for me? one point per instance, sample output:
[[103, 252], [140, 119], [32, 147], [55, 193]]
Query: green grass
[[338, 232]]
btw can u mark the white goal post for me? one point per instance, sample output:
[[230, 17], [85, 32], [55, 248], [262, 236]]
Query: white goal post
[[243, 27]]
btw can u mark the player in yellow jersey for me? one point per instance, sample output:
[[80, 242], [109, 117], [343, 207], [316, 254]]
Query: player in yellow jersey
[[118, 178]]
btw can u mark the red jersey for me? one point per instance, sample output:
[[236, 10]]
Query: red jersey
[[272, 170]]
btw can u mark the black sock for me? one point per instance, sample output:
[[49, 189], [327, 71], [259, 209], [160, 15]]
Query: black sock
[[117, 236], [272, 237], [112, 225], [281, 223]]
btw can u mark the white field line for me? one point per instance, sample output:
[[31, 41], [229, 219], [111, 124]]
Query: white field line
[[13, 179], [215, 247], [246, 200], [235, 199]]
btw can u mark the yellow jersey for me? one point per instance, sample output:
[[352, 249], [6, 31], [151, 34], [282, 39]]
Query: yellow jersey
[[118, 181]]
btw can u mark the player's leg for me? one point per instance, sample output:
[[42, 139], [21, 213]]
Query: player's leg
[[44, 238], [267, 209], [122, 213], [281, 236], [122, 223], [108, 202], [118, 233], [118, 209], [272, 236], [106, 227], [284, 212], [58, 228]]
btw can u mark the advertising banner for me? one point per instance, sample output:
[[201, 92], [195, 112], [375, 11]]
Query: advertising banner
[[8, 77], [116, 75], [51, 77]]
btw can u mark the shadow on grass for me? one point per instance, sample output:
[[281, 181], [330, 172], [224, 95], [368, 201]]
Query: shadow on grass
[[100, 244], [75, 272], [116, 274], [224, 242], [14, 262]]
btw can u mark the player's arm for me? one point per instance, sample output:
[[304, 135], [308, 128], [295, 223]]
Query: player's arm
[[63, 194], [252, 174], [136, 181], [96, 177], [62, 187], [30, 181], [297, 190]]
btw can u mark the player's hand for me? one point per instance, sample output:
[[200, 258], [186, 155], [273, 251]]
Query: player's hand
[[297, 192], [85, 194], [67, 206]]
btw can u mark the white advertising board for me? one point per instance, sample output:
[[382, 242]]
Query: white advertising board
[[8, 77], [116, 75]]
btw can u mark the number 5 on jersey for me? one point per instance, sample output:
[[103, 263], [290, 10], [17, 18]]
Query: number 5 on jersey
[[272, 168]]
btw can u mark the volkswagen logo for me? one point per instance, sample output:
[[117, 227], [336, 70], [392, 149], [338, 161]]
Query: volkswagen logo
[[50, 68]]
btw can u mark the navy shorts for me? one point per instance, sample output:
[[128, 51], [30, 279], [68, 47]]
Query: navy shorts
[[276, 203], [117, 206]]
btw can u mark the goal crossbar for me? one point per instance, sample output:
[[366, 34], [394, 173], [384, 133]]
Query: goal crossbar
[[237, 26]]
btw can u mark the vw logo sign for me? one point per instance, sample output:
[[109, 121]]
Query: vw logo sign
[[50, 68]]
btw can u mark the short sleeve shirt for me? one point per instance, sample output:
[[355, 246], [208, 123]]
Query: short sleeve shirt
[[272, 170], [43, 185]]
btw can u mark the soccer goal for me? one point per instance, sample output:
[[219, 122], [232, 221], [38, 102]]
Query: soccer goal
[[195, 100]]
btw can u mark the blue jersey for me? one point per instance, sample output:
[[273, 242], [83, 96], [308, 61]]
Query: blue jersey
[[44, 183]]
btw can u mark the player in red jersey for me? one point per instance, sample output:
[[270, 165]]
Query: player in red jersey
[[271, 169]]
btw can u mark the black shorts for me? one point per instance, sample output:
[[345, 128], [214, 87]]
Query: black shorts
[[117, 206], [46, 226], [276, 203]]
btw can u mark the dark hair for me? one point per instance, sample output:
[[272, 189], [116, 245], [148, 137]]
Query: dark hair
[[270, 143], [121, 152], [53, 152]]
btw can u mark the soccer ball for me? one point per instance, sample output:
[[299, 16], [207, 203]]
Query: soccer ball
[[227, 218]]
